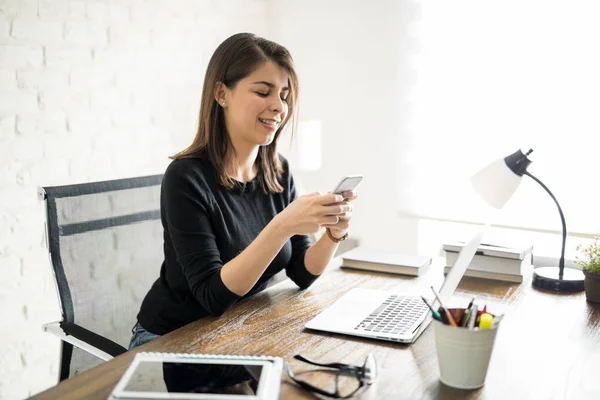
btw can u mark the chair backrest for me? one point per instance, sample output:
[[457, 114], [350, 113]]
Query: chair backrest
[[105, 241]]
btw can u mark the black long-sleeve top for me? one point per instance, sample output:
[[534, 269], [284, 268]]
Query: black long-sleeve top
[[205, 226]]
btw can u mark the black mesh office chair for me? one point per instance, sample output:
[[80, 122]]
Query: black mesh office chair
[[105, 241]]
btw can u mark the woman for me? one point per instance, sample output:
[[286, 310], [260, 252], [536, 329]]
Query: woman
[[229, 207]]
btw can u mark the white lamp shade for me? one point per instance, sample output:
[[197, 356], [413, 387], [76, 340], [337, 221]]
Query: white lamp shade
[[496, 183]]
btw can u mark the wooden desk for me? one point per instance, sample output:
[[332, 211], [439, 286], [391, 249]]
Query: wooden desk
[[548, 346]]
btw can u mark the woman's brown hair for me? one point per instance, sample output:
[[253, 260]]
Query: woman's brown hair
[[233, 60]]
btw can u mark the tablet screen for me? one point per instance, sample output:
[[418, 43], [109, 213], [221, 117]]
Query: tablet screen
[[185, 377]]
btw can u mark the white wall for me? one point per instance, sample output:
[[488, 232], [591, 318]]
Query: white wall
[[89, 90], [349, 56], [356, 62]]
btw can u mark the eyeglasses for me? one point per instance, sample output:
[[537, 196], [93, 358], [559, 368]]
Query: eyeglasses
[[346, 379]]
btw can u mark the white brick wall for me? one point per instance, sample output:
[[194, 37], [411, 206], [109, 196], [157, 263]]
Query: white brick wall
[[12, 56], [34, 30], [89, 90]]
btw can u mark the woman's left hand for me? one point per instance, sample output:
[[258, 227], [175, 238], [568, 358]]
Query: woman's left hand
[[339, 229]]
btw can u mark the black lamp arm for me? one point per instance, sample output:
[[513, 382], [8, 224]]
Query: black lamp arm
[[561, 263]]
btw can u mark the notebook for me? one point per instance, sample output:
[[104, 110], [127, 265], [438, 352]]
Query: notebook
[[384, 315], [385, 261]]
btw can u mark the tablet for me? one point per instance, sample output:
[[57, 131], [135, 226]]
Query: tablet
[[200, 376]]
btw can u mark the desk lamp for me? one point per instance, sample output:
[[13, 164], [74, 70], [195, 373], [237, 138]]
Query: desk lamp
[[496, 183]]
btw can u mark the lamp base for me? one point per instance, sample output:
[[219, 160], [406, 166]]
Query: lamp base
[[547, 278]]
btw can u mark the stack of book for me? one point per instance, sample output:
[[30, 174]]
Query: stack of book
[[492, 261], [385, 261]]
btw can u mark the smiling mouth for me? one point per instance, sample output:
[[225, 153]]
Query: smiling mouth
[[270, 122]]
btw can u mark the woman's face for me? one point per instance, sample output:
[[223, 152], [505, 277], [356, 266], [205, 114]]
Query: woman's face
[[257, 106]]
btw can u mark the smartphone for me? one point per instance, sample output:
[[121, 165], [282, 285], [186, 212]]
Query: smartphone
[[349, 182]]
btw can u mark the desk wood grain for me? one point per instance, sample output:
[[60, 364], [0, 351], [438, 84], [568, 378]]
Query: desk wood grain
[[548, 346]]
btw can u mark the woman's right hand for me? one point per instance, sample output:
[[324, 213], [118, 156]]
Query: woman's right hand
[[309, 213]]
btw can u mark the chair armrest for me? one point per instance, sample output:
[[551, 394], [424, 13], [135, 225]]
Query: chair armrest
[[84, 339]]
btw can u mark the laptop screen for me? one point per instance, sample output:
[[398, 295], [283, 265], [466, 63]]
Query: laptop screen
[[460, 266]]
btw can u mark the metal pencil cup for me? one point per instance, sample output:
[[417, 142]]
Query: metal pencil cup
[[463, 354]]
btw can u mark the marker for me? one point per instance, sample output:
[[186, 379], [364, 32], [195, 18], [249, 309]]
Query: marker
[[443, 315], [436, 315], [485, 320], [446, 312]]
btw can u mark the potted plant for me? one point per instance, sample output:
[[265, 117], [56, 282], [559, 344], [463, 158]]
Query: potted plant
[[590, 262]]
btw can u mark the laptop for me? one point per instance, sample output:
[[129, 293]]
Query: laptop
[[384, 315]]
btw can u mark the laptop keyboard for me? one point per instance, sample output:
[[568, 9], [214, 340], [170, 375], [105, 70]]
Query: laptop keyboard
[[395, 315]]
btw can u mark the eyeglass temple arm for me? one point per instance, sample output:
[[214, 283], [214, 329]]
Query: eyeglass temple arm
[[310, 387], [329, 365]]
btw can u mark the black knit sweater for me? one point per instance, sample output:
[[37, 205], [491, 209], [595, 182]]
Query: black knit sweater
[[205, 226]]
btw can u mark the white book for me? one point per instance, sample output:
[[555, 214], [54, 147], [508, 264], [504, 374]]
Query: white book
[[517, 253], [507, 266], [385, 261], [490, 275]]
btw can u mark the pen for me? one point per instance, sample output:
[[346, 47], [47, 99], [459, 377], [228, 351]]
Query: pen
[[471, 303], [472, 317], [435, 314], [446, 312], [465, 319]]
